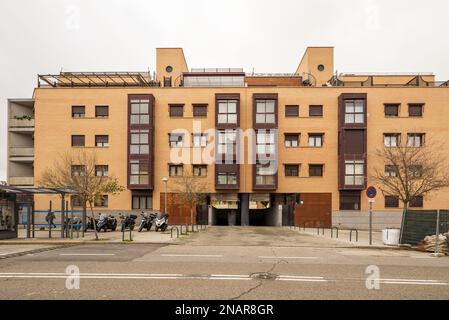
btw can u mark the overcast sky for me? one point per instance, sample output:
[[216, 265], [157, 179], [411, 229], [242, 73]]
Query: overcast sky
[[46, 36]]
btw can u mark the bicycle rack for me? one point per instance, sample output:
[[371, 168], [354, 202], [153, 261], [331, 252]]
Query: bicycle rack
[[177, 232], [318, 230], [304, 226], [332, 232], [184, 225], [356, 235]]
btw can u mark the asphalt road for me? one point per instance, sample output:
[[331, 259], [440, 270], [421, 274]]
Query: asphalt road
[[227, 263]]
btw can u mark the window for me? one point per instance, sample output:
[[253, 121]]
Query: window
[[102, 141], [391, 202], [101, 170], [415, 110], [316, 140], [315, 111], [168, 69], [101, 201], [76, 201], [78, 170], [176, 140], [142, 202], [292, 111], [140, 111], [391, 171], [315, 170], [227, 142], [265, 112], [139, 142], [78, 141], [391, 139], [167, 81], [354, 173], [291, 140], [139, 171], [101, 111], [199, 170], [227, 178], [175, 170], [265, 141], [291, 170], [176, 110], [391, 110], [200, 110], [349, 200], [354, 111], [227, 111], [78, 111], [199, 140], [265, 174], [415, 140], [415, 171], [416, 202]]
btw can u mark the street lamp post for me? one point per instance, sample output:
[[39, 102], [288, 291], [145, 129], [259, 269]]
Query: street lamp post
[[165, 180]]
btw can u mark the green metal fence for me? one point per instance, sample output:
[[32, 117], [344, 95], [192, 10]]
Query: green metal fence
[[417, 224]]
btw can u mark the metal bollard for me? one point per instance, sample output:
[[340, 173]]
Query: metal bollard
[[332, 232], [177, 232], [356, 235]]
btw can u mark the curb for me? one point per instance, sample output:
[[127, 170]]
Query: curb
[[33, 251]]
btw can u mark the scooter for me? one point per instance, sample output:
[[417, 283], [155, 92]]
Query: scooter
[[128, 222], [147, 221], [90, 224], [161, 222], [106, 221]]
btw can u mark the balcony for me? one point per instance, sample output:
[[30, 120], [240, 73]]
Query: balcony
[[21, 154], [21, 181], [21, 125]]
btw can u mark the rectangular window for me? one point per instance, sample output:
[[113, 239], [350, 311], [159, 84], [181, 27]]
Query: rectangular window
[[265, 142], [78, 140], [391, 202], [176, 110], [416, 202], [391, 139], [292, 111], [315, 170], [140, 111], [354, 173], [139, 142], [415, 110], [415, 171], [101, 170], [139, 173], [354, 111], [176, 140], [391, 110], [349, 200], [101, 111], [200, 110], [175, 170], [227, 178], [199, 170], [167, 81], [102, 141], [265, 174], [76, 201], [391, 171], [265, 111], [316, 140], [78, 111], [102, 201], [227, 140], [199, 140], [142, 202], [315, 111], [291, 140], [227, 112], [291, 170], [78, 171], [415, 140]]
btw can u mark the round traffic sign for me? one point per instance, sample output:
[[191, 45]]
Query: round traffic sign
[[371, 192]]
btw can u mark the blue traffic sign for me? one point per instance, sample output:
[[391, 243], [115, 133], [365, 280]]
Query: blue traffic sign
[[371, 192]]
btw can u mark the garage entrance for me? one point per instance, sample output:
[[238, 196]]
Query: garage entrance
[[314, 210]]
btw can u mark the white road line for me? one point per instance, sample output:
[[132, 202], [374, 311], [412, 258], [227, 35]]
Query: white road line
[[301, 280], [193, 255], [87, 254], [300, 277], [416, 283], [274, 257], [405, 280]]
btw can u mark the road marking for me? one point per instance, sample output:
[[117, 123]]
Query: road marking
[[274, 257], [193, 255], [416, 283], [87, 254]]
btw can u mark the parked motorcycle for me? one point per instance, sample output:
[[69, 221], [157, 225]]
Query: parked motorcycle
[[90, 224], [147, 220], [161, 222], [128, 221], [106, 222]]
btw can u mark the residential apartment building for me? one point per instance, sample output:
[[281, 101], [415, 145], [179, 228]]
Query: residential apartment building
[[271, 149]]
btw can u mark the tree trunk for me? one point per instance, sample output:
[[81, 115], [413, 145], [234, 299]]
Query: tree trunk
[[191, 214], [93, 220]]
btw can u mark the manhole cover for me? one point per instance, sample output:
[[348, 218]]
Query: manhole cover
[[264, 276]]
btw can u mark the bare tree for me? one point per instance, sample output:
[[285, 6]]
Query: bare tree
[[411, 171], [77, 172], [191, 189]]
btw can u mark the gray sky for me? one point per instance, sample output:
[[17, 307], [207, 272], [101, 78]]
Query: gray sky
[[267, 35]]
